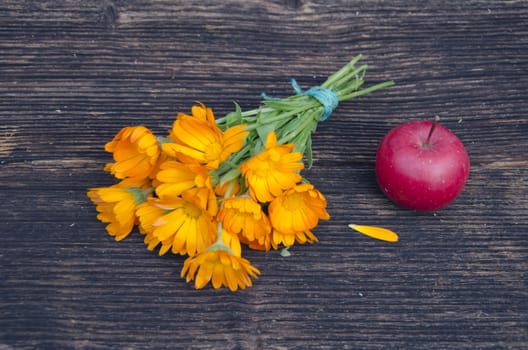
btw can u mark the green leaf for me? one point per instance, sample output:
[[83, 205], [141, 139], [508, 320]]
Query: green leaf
[[264, 129], [234, 118], [230, 175], [138, 194], [308, 152]]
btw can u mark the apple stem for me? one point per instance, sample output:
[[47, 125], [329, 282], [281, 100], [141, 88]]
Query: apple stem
[[433, 126]]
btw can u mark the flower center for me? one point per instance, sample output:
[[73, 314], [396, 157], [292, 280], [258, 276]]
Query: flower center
[[267, 165], [293, 202], [192, 210]]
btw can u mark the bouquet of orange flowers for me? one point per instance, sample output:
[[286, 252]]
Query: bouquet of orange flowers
[[212, 185]]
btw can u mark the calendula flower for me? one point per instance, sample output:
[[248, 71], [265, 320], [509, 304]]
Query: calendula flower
[[221, 268], [175, 177], [244, 216], [198, 138], [116, 206], [185, 226], [273, 170], [135, 151], [298, 209]]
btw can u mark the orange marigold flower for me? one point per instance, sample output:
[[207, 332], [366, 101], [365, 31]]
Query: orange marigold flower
[[198, 137], [116, 206], [135, 150], [176, 177], [185, 227], [221, 268], [273, 170], [244, 216], [298, 209]]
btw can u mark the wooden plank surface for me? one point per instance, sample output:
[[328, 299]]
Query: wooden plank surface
[[72, 73]]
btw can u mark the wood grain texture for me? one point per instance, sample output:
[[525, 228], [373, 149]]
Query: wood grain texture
[[72, 73]]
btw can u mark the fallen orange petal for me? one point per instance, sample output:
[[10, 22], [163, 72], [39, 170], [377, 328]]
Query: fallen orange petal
[[376, 232]]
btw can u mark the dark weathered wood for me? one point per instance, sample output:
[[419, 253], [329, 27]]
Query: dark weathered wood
[[72, 73]]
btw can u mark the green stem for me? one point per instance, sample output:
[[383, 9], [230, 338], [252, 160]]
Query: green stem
[[294, 118], [336, 76], [256, 111], [353, 86], [366, 90], [349, 78], [289, 114], [307, 123], [219, 244]]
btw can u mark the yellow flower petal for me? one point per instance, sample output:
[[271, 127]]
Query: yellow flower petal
[[380, 233]]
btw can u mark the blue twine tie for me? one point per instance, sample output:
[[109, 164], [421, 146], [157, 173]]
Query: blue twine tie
[[326, 97]]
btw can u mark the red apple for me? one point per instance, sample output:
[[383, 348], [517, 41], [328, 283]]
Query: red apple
[[422, 165]]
